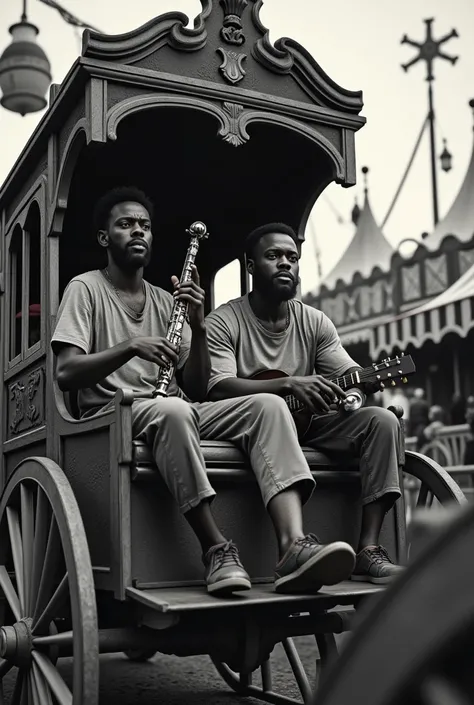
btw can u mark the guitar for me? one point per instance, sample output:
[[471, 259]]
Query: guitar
[[388, 370]]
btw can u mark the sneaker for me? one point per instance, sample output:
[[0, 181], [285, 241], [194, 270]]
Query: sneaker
[[373, 564], [309, 564], [224, 572]]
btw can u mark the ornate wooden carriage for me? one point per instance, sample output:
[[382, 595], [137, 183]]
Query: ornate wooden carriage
[[216, 123]]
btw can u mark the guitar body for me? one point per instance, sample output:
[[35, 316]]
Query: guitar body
[[301, 415]]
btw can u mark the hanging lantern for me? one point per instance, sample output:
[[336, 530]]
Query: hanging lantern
[[446, 158], [25, 73]]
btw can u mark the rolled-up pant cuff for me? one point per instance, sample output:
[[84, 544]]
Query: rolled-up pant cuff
[[306, 487], [195, 501], [381, 493]]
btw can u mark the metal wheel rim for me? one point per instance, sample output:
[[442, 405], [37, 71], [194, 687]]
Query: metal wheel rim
[[40, 516]]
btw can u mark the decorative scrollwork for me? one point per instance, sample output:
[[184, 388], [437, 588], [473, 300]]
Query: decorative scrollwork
[[25, 411], [234, 134], [231, 66], [232, 31]]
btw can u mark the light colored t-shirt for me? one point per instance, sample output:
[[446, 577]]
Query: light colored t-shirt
[[240, 346], [94, 318]]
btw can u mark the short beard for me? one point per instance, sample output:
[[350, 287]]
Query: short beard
[[270, 292], [123, 262]]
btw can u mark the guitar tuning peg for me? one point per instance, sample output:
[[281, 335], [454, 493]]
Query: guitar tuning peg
[[393, 383], [382, 386], [404, 380]]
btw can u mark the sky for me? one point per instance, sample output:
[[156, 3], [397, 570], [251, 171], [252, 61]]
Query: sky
[[358, 45]]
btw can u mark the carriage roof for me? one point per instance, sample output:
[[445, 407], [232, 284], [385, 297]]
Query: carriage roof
[[213, 122]]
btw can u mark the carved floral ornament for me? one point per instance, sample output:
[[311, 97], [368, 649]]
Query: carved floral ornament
[[231, 66], [232, 31], [25, 410]]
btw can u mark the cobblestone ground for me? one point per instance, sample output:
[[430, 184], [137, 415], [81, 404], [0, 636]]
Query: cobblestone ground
[[170, 680]]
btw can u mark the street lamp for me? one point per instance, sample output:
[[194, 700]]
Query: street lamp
[[25, 72], [446, 158]]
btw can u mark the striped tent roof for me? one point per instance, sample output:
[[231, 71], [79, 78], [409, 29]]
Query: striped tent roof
[[368, 249], [450, 312]]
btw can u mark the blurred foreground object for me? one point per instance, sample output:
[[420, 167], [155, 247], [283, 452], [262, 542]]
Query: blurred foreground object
[[25, 72], [415, 643]]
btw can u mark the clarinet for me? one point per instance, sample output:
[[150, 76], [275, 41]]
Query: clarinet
[[198, 232]]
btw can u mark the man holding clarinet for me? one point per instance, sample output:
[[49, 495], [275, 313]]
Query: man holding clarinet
[[111, 333]]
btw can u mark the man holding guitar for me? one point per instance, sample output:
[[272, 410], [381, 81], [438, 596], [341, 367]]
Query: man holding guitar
[[267, 342]]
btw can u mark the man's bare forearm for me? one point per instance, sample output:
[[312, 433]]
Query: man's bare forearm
[[236, 387], [81, 371], [198, 367]]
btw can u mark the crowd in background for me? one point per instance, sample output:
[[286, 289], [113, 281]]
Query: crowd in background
[[423, 421]]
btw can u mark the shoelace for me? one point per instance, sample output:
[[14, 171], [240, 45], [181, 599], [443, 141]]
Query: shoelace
[[379, 555], [226, 555], [308, 541]]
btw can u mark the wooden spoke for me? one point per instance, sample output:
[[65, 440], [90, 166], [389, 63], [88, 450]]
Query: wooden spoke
[[51, 609], [422, 496], [40, 686], [58, 687], [266, 672], [50, 565], [27, 529], [62, 640], [5, 667], [42, 524], [46, 577], [10, 593], [17, 692], [17, 553]]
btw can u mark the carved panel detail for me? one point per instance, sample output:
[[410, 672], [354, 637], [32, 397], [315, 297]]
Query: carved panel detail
[[231, 66], [436, 275], [466, 260], [231, 31], [360, 304], [411, 283], [26, 402], [234, 134]]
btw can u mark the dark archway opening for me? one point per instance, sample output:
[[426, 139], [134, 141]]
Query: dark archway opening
[[177, 158]]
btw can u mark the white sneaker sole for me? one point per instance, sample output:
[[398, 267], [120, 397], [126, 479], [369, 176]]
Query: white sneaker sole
[[228, 586], [333, 563]]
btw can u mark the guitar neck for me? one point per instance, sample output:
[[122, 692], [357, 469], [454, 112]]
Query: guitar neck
[[350, 380]]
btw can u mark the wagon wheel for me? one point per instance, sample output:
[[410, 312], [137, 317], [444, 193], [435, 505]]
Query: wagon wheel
[[140, 655], [415, 644], [427, 481], [48, 601]]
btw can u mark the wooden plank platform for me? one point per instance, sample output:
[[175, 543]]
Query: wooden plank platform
[[193, 599]]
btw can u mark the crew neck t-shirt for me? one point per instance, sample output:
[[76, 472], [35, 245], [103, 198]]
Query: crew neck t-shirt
[[240, 345], [93, 317]]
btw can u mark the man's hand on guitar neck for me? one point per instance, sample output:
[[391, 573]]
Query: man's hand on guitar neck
[[317, 393]]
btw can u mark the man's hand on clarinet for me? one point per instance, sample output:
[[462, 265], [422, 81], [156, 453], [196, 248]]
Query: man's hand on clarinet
[[191, 293], [157, 350]]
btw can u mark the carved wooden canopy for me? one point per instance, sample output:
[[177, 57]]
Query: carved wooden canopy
[[213, 121]]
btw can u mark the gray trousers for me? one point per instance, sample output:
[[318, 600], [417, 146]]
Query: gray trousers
[[263, 428], [371, 434], [260, 425]]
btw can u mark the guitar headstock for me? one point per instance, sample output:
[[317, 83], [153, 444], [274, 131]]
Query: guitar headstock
[[390, 370]]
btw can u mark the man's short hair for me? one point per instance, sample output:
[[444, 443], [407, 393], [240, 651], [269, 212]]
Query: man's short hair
[[110, 199], [257, 234]]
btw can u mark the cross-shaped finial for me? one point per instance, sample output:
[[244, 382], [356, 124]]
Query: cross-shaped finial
[[429, 50]]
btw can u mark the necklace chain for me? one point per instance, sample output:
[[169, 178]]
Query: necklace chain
[[135, 310]]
